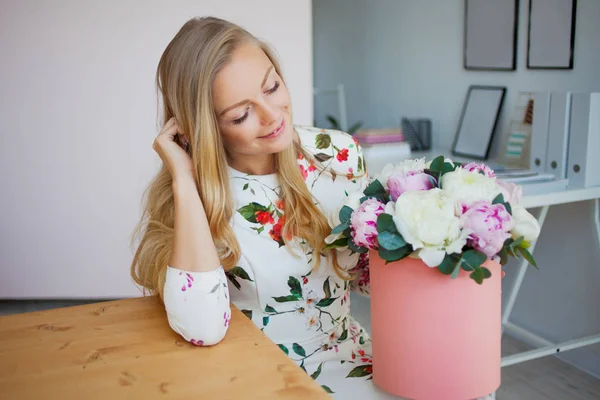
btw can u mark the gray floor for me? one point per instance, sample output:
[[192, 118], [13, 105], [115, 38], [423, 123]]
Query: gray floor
[[547, 378]]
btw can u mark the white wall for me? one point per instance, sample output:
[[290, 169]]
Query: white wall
[[404, 58], [77, 120]]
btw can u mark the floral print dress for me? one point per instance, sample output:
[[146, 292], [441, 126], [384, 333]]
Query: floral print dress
[[305, 312]]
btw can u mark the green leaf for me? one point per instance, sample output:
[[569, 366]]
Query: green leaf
[[247, 313], [234, 281], [260, 230], [322, 157], [245, 187], [343, 242], [393, 255], [284, 299], [385, 223], [355, 248], [249, 211], [472, 259], [527, 255], [295, 287], [503, 256], [265, 321], [448, 265], [285, 349], [437, 164], [323, 141], [382, 197], [508, 208], [345, 214], [270, 309], [340, 228], [299, 350], [360, 371], [517, 242], [486, 273], [361, 340], [498, 199], [326, 302], [343, 336], [316, 374], [214, 289], [477, 276], [447, 167], [326, 388], [334, 122], [374, 188], [390, 241], [354, 128], [327, 288], [241, 273]]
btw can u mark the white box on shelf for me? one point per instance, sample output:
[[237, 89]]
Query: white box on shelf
[[539, 131], [584, 141], [558, 134], [379, 155]]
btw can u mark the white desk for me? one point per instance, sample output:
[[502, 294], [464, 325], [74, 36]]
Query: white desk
[[543, 200]]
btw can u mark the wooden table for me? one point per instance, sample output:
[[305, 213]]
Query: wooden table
[[126, 349]]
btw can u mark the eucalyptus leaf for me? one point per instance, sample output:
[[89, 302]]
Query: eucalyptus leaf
[[385, 223], [391, 241], [374, 188], [394, 255], [345, 214]]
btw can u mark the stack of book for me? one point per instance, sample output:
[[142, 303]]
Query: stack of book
[[375, 136]]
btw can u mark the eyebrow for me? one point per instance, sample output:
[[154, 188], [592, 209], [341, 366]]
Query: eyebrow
[[245, 101]]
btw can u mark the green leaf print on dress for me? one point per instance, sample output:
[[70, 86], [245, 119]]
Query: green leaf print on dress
[[237, 272]]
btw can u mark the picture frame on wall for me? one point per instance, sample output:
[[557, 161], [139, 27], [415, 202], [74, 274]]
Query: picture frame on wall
[[490, 35], [478, 121], [551, 40]]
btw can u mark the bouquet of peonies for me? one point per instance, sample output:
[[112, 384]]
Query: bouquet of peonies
[[449, 215]]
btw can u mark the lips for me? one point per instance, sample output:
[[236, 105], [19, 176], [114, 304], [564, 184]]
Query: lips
[[275, 132]]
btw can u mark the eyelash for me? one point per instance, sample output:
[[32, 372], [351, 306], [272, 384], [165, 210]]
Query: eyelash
[[270, 91]]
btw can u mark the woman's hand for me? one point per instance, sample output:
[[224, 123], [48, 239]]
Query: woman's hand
[[172, 146]]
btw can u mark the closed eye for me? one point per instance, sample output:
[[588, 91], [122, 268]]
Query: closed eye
[[242, 118], [273, 89]]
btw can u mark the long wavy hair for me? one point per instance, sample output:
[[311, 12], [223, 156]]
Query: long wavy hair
[[185, 75]]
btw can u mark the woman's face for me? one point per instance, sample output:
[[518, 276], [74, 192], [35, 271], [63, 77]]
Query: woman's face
[[252, 105]]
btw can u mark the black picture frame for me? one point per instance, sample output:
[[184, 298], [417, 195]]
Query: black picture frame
[[571, 42], [478, 42], [491, 118]]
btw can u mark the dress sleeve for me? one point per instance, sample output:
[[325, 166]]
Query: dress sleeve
[[197, 305]]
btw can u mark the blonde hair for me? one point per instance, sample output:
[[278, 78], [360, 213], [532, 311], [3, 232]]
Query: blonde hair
[[184, 78]]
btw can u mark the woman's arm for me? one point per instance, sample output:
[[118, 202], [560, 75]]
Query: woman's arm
[[196, 294]]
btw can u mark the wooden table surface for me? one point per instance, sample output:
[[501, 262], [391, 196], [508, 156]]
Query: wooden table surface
[[126, 349]]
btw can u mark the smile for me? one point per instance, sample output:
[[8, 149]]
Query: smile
[[276, 132]]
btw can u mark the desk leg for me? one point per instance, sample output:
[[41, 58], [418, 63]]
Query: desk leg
[[514, 290]]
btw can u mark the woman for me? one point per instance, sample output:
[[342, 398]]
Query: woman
[[238, 211]]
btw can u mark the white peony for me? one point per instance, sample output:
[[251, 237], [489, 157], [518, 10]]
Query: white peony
[[468, 187], [406, 166], [525, 224], [426, 220]]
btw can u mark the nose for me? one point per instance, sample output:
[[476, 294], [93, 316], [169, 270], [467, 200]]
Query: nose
[[268, 113]]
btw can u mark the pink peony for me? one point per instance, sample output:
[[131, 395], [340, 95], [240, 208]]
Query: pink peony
[[401, 182], [481, 168], [489, 225], [512, 193], [364, 223]]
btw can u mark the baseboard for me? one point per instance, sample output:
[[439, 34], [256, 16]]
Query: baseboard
[[535, 341]]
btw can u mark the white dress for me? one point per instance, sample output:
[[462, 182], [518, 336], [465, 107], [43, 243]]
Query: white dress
[[306, 313]]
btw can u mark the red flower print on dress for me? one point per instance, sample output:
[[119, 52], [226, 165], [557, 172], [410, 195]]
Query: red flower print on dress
[[304, 172], [279, 204], [312, 168], [300, 156], [197, 342], [190, 280], [227, 319], [342, 155], [264, 217]]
